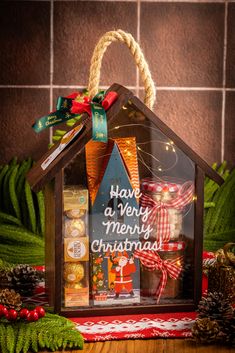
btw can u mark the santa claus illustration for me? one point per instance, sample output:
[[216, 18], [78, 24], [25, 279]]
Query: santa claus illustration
[[123, 269]]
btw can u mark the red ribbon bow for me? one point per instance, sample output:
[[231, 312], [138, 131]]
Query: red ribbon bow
[[84, 105], [160, 210], [152, 261]]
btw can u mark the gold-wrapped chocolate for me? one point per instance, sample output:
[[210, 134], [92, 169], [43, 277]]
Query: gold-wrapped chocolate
[[76, 249], [74, 228], [75, 197], [76, 213], [78, 285], [73, 272]]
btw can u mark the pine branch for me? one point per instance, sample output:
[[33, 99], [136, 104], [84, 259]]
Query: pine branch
[[51, 332]]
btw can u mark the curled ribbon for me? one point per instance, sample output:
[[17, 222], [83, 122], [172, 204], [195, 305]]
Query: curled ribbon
[[152, 261], [159, 214], [72, 106]]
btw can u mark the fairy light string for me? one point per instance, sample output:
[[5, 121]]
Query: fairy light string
[[169, 146]]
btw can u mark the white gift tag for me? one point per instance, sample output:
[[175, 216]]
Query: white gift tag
[[66, 139]]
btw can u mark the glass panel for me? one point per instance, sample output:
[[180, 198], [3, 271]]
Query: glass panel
[[137, 214]]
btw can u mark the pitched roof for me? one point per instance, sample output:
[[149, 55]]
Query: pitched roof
[[38, 177], [98, 155]]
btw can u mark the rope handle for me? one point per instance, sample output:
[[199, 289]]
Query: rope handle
[[96, 61]]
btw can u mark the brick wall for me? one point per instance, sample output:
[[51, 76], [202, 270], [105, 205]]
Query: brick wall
[[46, 46]]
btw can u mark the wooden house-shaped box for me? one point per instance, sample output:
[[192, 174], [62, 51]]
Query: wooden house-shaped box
[[157, 212]]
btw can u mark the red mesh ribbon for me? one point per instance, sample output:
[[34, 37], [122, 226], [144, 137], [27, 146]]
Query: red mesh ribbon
[[159, 213], [152, 261]]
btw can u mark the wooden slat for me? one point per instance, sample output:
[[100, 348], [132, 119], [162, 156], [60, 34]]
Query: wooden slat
[[58, 245], [198, 233], [50, 244], [131, 309], [157, 345]]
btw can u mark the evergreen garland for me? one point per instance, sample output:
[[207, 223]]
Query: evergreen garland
[[22, 214], [219, 220], [52, 332]]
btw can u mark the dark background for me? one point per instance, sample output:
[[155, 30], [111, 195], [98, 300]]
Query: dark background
[[46, 47]]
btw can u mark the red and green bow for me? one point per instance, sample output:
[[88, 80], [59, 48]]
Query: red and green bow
[[71, 108]]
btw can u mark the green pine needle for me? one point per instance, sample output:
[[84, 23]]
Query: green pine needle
[[219, 207], [51, 332]]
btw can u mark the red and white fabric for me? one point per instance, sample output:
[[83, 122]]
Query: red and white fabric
[[159, 214], [105, 328]]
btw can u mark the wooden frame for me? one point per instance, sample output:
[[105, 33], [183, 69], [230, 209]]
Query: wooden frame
[[53, 179]]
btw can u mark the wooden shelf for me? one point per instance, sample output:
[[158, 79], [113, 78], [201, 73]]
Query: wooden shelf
[[152, 346]]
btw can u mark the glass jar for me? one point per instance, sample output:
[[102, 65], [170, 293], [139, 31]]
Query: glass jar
[[166, 200], [151, 280]]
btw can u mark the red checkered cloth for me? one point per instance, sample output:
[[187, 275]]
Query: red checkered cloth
[[159, 210], [152, 261]]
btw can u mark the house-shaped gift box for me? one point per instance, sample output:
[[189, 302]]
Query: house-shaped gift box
[[167, 166]]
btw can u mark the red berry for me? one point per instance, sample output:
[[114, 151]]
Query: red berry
[[1, 310], [32, 316], [24, 313], [7, 315], [4, 311], [12, 315], [40, 310]]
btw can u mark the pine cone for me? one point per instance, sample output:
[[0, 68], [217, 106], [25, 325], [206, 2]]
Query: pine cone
[[5, 280], [10, 299], [24, 279], [227, 333], [205, 330], [215, 307]]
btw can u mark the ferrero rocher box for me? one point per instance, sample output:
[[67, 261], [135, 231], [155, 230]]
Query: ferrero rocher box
[[76, 249], [76, 246], [75, 201]]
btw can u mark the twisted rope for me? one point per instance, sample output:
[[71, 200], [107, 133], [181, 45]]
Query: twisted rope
[[139, 58]]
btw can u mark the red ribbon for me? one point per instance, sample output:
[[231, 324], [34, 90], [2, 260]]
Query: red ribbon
[[160, 210], [84, 103], [152, 261]]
